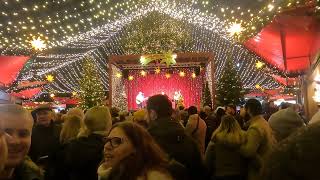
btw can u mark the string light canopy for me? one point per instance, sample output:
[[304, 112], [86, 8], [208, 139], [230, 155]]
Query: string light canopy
[[59, 21], [97, 28]]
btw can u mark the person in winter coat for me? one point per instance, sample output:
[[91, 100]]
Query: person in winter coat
[[45, 136], [260, 141], [172, 138], [17, 125], [131, 153], [83, 155], [69, 132], [223, 158], [285, 122], [196, 128], [296, 157]]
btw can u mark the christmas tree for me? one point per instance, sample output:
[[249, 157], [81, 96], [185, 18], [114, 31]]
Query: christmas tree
[[206, 95], [229, 86], [91, 88]]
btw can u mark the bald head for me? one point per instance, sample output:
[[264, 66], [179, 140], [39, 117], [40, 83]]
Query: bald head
[[17, 123]]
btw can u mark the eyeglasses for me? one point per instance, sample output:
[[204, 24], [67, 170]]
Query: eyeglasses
[[114, 141]]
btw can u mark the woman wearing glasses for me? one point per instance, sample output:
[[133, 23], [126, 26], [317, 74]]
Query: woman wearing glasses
[[131, 153]]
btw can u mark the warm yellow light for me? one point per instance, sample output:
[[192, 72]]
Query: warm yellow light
[[50, 78], [259, 65], [143, 73], [258, 86], [168, 75], [193, 75], [235, 29], [38, 44], [142, 60], [52, 95], [270, 7], [157, 70], [130, 78], [118, 75], [182, 74], [74, 93]]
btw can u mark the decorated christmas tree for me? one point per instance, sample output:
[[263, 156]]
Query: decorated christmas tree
[[229, 86], [91, 88], [206, 95]]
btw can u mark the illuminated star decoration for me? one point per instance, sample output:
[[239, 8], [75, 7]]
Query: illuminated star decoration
[[38, 44], [259, 65], [235, 29], [193, 75], [118, 75], [168, 75], [74, 93], [157, 70], [169, 59], [143, 73], [50, 78], [182, 74], [130, 78]]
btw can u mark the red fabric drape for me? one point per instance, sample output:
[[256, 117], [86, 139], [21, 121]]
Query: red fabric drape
[[10, 67], [152, 84], [27, 94]]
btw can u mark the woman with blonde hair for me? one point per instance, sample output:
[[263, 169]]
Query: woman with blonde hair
[[70, 128], [84, 154], [223, 156]]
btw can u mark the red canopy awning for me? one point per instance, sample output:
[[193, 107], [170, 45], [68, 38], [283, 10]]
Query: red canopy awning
[[290, 42], [27, 94], [10, 67]]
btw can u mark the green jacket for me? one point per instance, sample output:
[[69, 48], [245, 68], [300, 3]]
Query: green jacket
[[28, 170], [225, 160], [260, 142]]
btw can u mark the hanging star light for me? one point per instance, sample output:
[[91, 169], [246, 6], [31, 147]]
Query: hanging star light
[[157, 70], [235, 29], [168, 75], [130, 78], [118, 75], [259, 65], [143, 73], [50, 78], [38, 44], [193, 75], [182, 74]]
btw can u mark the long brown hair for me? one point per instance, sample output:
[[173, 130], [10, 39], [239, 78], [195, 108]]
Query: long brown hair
[[148, 154]]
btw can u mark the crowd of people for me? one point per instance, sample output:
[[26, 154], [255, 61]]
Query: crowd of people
[[158, 143]]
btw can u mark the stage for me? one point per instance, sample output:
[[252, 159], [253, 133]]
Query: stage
[[187, 77]]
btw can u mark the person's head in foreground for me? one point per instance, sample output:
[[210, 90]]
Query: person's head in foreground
[[229, 132], [3, 147], [253, 108], [159, 106], [130, 152], [17, 123], [96, 120], [296, 157], [76, 112], [70, 128]]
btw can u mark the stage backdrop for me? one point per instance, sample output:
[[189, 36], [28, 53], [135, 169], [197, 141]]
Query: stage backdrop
[[152, 84]]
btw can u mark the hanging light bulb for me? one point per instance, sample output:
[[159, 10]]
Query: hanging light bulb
[[143, 73], [182, 74]]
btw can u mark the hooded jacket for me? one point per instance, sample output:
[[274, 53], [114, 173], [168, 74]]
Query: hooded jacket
[[171, 137], [224, 159]]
